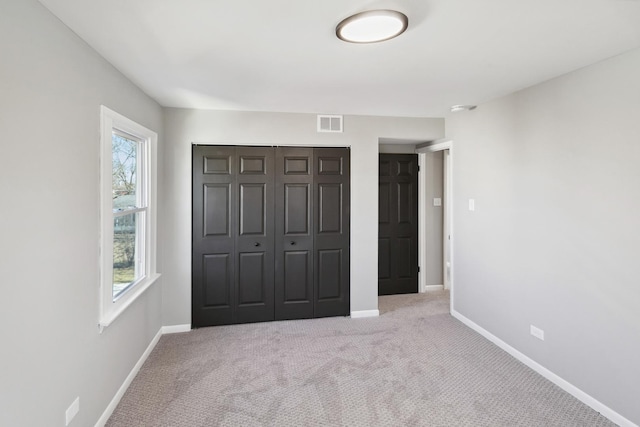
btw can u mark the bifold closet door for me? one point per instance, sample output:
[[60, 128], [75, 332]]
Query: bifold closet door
[[233, 235], [270, 234], [294, 233]]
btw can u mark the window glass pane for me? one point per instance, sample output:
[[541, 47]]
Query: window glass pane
[[125, 252], [124, 164]]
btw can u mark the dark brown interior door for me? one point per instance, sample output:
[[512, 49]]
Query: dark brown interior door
[[398, 224], [294, 233]]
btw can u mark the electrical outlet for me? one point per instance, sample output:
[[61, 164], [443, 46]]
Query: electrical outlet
[[437, 201], [537, 332], [72, 410]]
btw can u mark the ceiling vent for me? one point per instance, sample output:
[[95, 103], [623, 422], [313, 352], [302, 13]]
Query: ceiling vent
[[329, 123]]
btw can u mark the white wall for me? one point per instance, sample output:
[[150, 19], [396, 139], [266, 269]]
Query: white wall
[[555, 237], [51, 88], [184, 127]]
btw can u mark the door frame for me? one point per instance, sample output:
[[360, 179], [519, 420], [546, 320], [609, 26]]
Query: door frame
[[445, 145]]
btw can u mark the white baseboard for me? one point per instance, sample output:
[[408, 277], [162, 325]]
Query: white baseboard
[[364, 313], [557, 380], [127, 382], [428, 288], [176, 329]]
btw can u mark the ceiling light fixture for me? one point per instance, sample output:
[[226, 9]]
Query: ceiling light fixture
[[457, 108], [372, 26]]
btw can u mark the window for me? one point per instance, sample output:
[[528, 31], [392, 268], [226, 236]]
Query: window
[[128, 193]]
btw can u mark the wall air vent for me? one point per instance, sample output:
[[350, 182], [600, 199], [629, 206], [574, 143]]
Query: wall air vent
[[329, 123]]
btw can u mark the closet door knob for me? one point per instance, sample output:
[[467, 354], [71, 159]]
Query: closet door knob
[[256, 244], [292, 242]]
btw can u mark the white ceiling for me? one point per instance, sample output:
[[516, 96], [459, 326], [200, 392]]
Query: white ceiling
[[282, 55]]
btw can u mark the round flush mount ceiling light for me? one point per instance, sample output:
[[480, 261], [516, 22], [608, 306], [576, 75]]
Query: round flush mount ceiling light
[[372, 26], [457, 108]]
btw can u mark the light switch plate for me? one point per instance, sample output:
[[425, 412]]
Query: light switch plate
[[472, 204], [437, 201]]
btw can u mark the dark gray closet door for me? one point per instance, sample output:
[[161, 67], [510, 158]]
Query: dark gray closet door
[[331, 231], [398, 224], [294, 233], [262, 251], [255, 234], [214, 223]]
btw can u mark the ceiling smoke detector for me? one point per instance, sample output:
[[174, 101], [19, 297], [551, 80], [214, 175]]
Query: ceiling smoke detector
[[457, 108], [372, 26]]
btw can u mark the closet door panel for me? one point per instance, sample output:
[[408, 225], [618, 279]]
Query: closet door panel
[[254, 234], [251, 279], [331, 232], [253, 206], [216, 273], [329, 274], [294, 237], [330, 208], [297, 213], [213, 242], [297, 268]]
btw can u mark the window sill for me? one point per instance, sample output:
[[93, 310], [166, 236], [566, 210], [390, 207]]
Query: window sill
[[127, 299]]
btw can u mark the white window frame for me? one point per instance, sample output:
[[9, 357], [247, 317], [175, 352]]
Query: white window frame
[[111, 308]]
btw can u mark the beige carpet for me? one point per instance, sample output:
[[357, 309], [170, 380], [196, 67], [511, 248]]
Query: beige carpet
[[414, 365]]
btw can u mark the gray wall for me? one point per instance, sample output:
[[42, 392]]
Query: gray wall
[[51, 86], [555, 237], [184, 127]]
